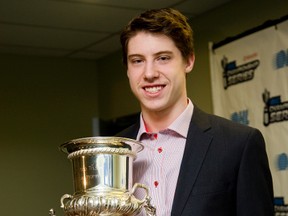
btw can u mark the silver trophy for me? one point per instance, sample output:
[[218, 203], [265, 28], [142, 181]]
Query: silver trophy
[[103, 184]]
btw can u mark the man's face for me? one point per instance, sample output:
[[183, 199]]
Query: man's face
[[157, 72]]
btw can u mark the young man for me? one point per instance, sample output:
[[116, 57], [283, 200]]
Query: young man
[[194, 164]]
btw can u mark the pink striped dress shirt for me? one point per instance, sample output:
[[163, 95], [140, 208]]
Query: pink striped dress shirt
[[158, 164]]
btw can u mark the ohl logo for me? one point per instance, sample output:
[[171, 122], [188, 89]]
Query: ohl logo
[[281, 60], [233, 74], [240, 117], [274, 110], [282, 162]]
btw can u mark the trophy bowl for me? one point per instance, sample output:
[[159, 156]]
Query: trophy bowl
[[102, 176]]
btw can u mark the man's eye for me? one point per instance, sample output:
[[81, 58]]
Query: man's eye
[[163, 58], [136, 61]]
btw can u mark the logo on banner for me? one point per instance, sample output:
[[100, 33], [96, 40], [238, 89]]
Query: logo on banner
[[240, 117], [275, 110], [234, 74], [282, 162], [281, 59], [280, 207]]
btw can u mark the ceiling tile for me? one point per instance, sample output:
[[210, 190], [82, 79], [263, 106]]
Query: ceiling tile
[[147, 4], [66, 15], [45, 37], [32, 51], [110, 44], [87, 55], [198, 7]]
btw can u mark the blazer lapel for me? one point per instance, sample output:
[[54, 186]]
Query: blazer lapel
[[197, 144], [130, 132]]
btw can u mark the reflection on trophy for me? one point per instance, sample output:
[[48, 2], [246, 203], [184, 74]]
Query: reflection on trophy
[[103, 172]]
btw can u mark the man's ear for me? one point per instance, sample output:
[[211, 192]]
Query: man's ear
[[127, 73], [190, 63]]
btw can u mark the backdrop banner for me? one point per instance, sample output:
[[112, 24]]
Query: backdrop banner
[[249, 78]]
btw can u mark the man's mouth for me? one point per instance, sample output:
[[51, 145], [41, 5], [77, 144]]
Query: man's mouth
[[153, 89]]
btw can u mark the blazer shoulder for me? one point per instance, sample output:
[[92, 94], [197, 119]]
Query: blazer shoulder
[[220, 124]]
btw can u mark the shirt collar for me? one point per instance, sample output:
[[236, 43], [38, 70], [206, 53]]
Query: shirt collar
[[180, 125]]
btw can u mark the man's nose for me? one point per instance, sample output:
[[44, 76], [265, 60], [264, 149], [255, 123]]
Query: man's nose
[[150, 71]]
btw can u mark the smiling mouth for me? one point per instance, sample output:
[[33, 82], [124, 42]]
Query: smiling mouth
[[153, 89]]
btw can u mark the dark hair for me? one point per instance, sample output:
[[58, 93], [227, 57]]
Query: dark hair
[[167, 21]]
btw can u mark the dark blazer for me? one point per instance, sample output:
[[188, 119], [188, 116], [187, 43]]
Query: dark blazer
[[224, 170]]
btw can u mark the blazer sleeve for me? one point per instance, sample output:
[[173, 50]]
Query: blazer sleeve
[[254, 184]]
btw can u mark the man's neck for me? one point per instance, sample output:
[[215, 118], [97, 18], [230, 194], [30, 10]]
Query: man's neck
[[156, 121]]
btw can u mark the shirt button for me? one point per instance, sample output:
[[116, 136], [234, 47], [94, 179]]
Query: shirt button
[[156, 183], [155, 136], [160, 149]]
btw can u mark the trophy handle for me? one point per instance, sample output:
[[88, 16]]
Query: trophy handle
[[65, 196], [138, 185], [150, 209]]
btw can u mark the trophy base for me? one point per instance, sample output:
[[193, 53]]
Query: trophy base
[[91, 205]]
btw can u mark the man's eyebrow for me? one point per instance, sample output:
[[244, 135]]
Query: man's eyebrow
[[155, 54], [134, 55], [163, 52]]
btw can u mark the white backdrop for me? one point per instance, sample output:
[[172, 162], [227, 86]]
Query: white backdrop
[[249, 78]]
